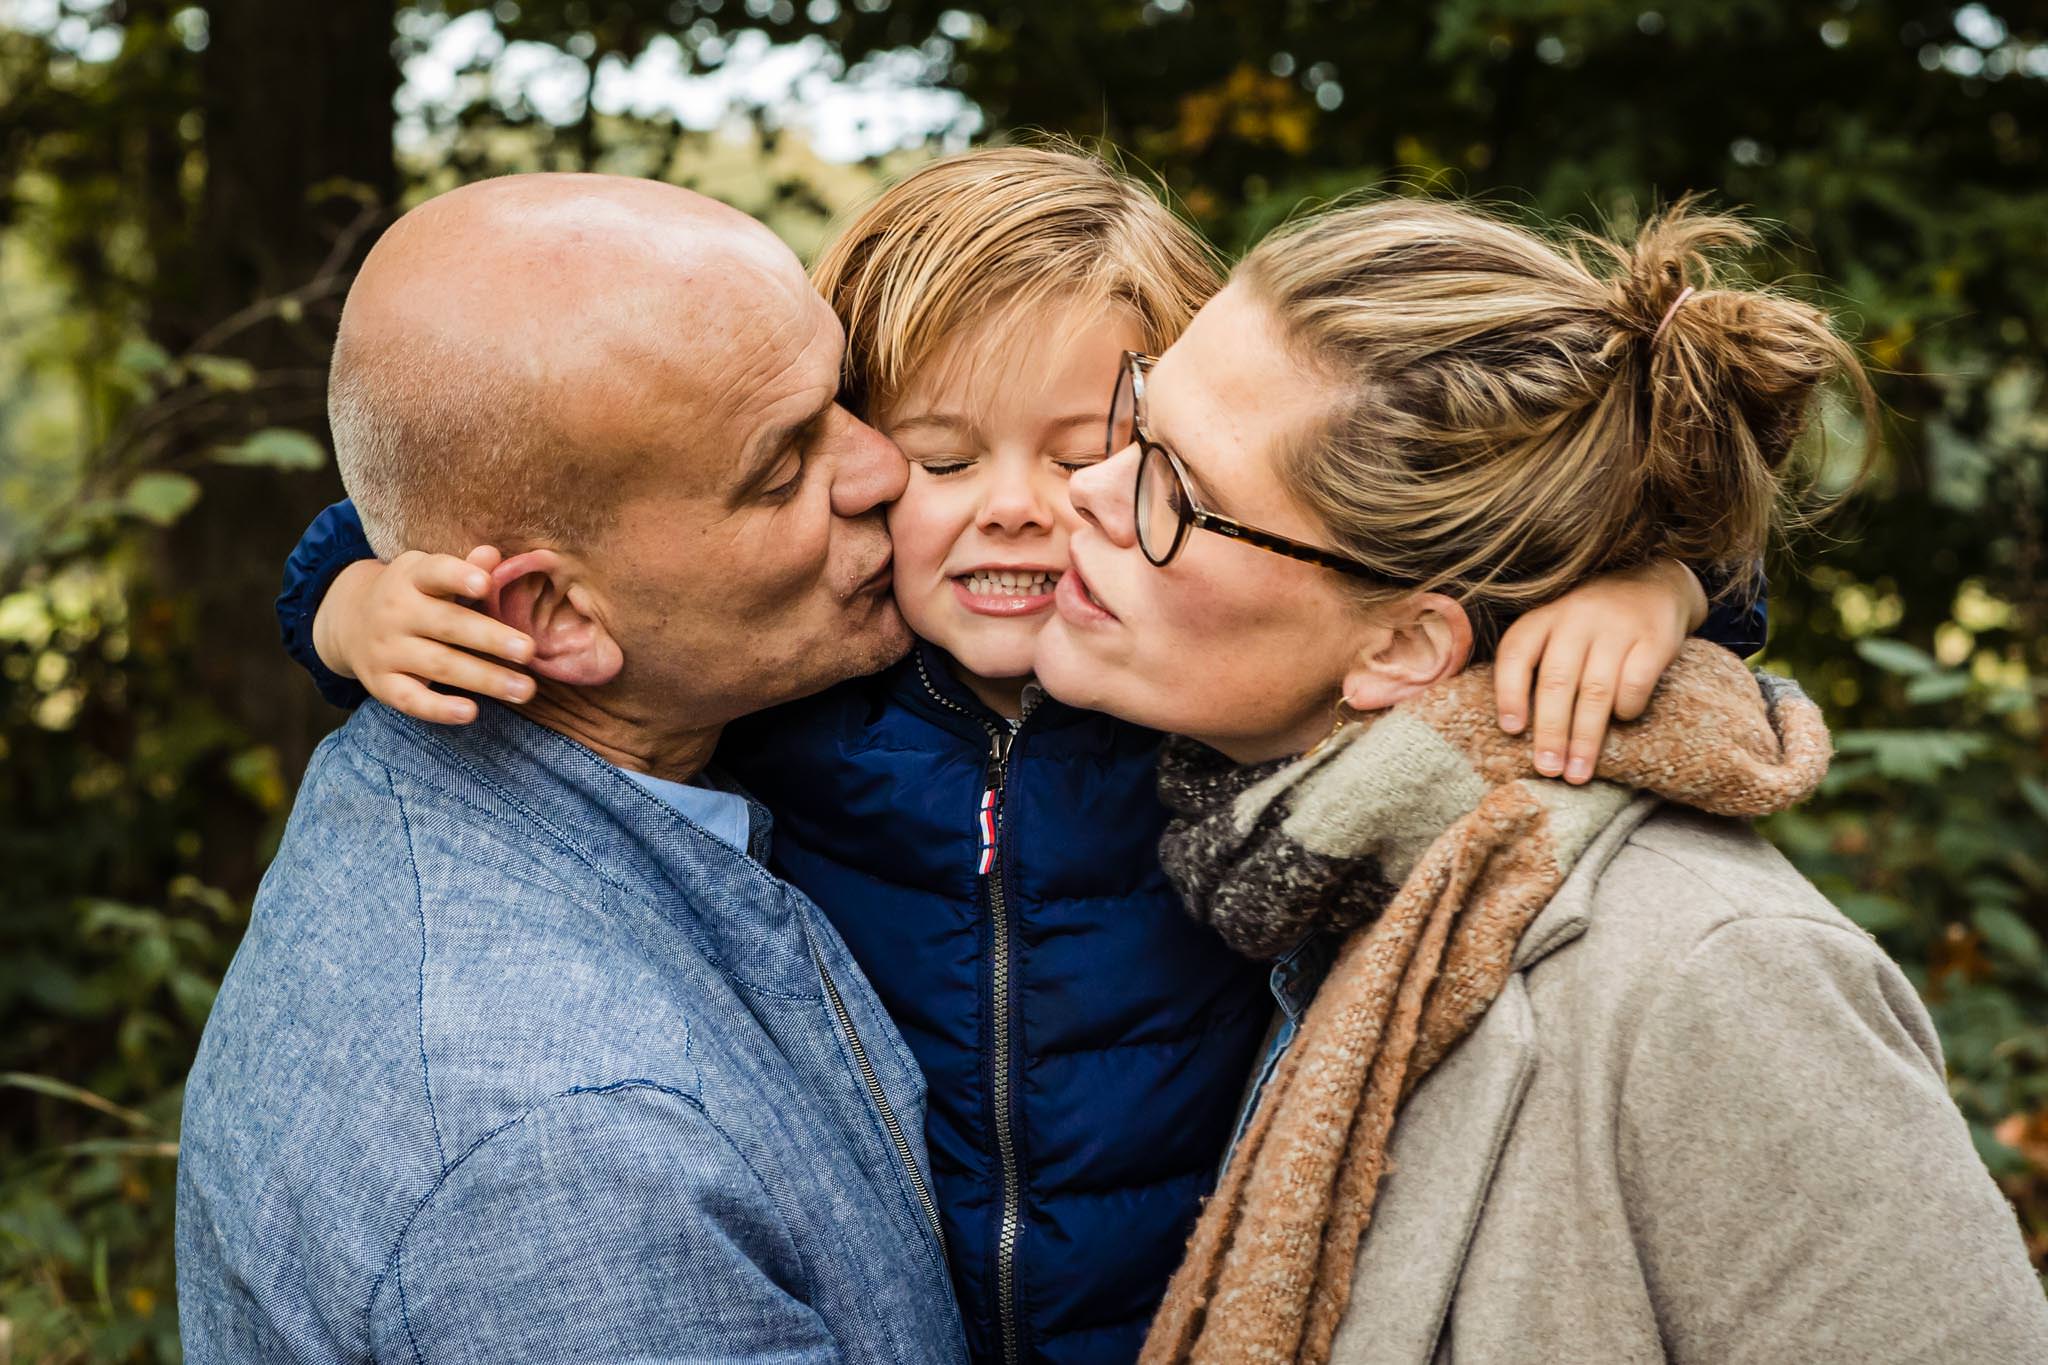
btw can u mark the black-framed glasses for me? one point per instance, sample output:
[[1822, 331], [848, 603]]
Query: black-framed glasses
[[1165, 506]]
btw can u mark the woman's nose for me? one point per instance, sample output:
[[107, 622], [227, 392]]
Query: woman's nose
[[1102, 495]]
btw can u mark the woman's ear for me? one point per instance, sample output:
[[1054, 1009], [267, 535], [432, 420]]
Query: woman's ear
[[536, 592], [1417, 643]]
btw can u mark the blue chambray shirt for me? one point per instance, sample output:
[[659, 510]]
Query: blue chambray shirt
[[724, 815], [519, 1063]]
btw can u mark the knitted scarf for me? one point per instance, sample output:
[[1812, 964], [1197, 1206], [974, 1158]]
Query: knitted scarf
[[1431, 798]]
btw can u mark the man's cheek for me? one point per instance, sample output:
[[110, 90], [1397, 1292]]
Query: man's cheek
[[788, 566]]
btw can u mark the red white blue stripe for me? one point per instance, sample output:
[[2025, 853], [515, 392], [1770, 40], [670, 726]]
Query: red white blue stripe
[[987, 821]]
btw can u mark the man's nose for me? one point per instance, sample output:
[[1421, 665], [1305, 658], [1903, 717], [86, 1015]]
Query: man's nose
[[868, 469], [1102, 495]]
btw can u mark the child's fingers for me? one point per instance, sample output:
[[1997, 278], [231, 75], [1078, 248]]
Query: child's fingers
[[486, 557], [1557, 684], [450, 624], [1598, 681], [1640, 673], [438, 663], [447, 576], [416, 699], [1513, 664]]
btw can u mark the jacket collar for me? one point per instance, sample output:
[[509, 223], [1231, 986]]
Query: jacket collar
[[725, 902], [925, 682], [1569, 911], [1450, 1137]]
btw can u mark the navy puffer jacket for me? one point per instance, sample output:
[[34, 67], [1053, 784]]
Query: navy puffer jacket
[[1085, 1043]]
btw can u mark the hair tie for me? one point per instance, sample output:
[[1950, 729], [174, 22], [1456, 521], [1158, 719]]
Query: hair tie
[[1683, 295]]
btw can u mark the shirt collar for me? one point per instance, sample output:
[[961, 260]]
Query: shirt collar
[[723, 815]]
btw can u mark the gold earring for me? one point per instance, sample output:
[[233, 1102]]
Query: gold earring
[[1347, 714]]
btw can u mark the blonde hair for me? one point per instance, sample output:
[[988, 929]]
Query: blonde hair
[[1003, 232], [1516, 415]]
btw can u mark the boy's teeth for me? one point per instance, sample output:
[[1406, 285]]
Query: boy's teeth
[[1004, 583]]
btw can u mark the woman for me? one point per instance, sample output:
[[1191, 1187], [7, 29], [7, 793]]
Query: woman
[[1656, 1099]]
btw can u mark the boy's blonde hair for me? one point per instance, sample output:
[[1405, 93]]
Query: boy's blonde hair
[[1513, 414], [1003, 232]]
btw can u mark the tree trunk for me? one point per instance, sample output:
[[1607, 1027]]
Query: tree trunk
[[297, 105]]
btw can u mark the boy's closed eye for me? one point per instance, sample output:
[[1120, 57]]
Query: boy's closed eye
[[939, 466]]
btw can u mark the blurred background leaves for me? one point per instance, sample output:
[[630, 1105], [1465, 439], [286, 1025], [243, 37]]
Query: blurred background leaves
[[185, 189]]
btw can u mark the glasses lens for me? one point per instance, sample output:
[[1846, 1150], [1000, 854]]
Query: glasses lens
[[1158, 506], [1122, 406]]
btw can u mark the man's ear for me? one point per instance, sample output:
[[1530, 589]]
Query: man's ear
[[536, 592], [1417, 643]]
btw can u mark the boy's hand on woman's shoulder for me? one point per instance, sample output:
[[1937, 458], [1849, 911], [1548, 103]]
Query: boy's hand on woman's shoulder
[[1594, 655]]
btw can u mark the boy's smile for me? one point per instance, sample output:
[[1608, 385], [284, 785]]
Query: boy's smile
[[993, 428], [1006, 589]]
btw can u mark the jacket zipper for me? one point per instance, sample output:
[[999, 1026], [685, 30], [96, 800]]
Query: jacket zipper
[[1010, 1226], [874, 1085]]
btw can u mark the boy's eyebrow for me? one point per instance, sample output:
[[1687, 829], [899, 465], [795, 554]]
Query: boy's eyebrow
[[941, 421], [1094, 418]]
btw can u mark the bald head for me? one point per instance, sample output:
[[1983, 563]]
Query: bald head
[[510, 348]]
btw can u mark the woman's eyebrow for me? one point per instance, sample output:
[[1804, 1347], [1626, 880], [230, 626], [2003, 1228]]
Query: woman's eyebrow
[[1202, 488]]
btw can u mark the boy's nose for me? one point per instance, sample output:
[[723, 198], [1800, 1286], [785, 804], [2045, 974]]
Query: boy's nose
[[1016, 502]]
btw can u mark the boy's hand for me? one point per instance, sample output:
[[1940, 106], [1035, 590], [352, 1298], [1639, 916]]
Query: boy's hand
[[1595, 653], [397, 627]]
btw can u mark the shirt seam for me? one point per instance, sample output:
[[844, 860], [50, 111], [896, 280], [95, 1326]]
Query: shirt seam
[[419, 902], [394, 1270]]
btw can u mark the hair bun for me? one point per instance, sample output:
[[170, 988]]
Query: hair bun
[[1510, 420]]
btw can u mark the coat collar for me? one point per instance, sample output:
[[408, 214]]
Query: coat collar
[[1568, 912], [1449, 1140], [1440, 1163], [925, 683]]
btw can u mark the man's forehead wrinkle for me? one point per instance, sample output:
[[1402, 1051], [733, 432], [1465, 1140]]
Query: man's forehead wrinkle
[[786, 364]]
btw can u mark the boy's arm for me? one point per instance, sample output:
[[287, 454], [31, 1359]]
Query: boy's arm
[[401, 632], [1740, 621], [334, 541]]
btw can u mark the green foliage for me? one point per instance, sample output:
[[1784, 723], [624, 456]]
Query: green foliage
[[118, 781], [1897, 147], [279, 447]]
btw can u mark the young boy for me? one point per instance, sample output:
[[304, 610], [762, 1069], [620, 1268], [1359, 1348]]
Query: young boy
[[989, 855]]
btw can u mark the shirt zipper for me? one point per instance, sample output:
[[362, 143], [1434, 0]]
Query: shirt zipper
[[1010, 1226], [874, 1085]]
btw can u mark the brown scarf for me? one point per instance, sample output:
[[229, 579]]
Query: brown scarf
[[1433, 797]]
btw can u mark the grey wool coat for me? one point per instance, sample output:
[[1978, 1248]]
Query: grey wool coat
[[1706, 1121]]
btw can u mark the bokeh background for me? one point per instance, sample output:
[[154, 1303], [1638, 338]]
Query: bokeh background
[[185, 188]]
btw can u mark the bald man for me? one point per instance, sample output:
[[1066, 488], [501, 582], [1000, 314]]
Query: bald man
[[525, 1056]]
